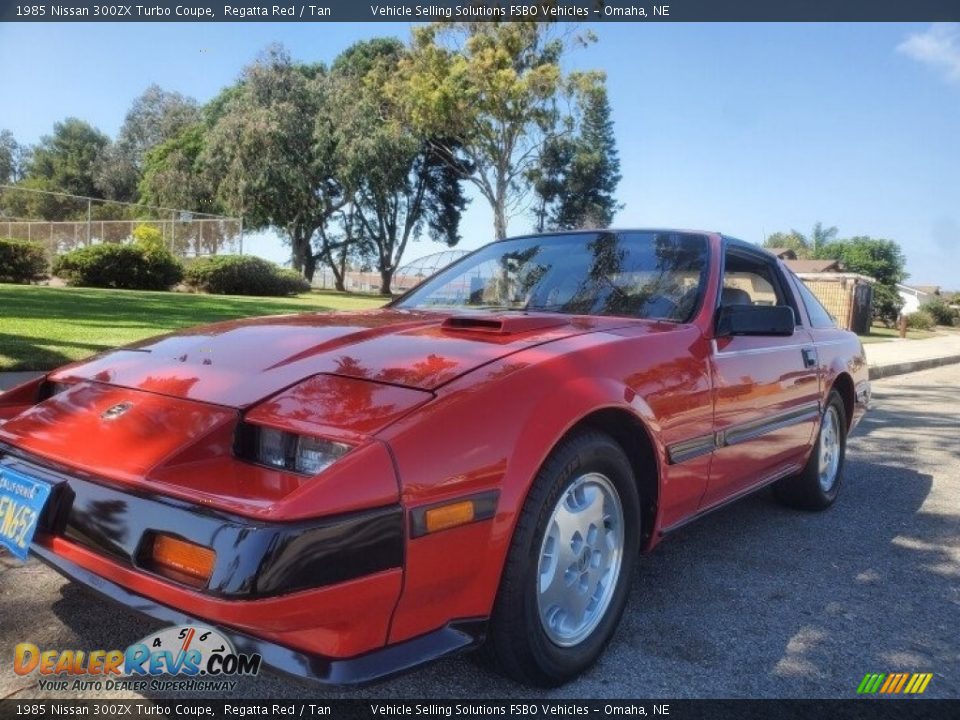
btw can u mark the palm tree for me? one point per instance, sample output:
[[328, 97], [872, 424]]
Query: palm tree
[[821, 235]]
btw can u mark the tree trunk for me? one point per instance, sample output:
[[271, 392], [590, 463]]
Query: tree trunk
[[296, 258], [340, 267], [309, 264], [500, 207], [339, 272], [499, 222], [301, 256], [386, 278]]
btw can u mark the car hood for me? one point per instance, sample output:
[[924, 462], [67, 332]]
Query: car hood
[[237, 364]]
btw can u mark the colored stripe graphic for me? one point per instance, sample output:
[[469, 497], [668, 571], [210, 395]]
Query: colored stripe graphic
[[903, 681], [918, 683], [871, 683], [894, 683]]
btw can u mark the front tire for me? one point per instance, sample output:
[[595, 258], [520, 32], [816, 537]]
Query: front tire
[[816, 487], [568, 572]]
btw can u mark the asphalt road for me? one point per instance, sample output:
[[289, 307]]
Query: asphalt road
[[752, 601]]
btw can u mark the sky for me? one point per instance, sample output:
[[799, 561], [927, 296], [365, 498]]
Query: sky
[[742, 128]]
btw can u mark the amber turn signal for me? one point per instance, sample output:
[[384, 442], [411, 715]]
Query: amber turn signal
[[177, 558], [453, 513], [448, 516]]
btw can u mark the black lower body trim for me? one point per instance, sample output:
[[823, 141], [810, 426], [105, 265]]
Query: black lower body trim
[[703, 444], [254, 558], [377, 665], [779, 475]]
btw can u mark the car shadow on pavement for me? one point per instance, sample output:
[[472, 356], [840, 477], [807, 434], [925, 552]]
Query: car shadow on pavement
[[763, 601], [917, 425]]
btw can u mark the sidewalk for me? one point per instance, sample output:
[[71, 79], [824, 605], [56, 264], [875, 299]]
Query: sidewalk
[[893, 357], [903, 356], [9, 379]]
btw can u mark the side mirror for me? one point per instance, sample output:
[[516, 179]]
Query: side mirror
[[755, 320]]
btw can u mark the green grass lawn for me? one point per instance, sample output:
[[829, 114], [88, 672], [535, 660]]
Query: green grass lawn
[[43, 327], [878, 333]]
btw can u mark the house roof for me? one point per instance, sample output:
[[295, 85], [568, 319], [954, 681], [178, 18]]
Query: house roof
[[836, 277], [918, 290], [814, 266], [783, 253]]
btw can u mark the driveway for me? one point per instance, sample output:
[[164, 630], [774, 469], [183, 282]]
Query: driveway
[[752, 601]]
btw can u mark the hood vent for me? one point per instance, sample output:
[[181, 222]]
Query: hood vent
[[502, 325]]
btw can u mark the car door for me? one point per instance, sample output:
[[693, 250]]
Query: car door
[[766, 388]]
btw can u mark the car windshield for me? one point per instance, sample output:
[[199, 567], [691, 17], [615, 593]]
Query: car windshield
[[637, 274]]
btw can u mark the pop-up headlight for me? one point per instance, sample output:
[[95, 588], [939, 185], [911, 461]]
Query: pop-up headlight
[[283, 450], [49, 388]]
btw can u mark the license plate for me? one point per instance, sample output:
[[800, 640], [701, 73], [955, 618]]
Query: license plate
[[21, 502]]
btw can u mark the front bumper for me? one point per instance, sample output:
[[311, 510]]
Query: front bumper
[[323, 589], [255, 559], [374, 665]]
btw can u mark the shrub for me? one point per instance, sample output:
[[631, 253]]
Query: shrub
[[292, 282], [148, 238], [942, 313], [920, 320], [128, 267], [22, 261], [886, 304], [243, 275]]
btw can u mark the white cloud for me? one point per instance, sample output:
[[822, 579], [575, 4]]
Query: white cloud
[[937, 47]]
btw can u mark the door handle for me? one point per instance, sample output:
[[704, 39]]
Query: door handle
[[809, 357]]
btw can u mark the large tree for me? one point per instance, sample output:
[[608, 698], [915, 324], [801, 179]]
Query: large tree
[[14, 159], [175, 176], [881, 259], [486, 91], [398, 182], [63, 162], [177, 172], [155, 117], [576, 178], [65, 159], [273, 150]]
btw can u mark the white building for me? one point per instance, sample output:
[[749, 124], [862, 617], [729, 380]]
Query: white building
[[914, 297]]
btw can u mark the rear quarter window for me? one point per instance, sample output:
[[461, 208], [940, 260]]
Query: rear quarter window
[[819, 317]]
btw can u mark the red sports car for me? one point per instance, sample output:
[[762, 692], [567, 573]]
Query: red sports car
[[485, 458]]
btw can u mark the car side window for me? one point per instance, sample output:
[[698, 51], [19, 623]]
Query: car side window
[[819, 317], [751, 279]]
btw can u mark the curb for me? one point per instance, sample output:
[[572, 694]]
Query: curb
[[883, 371]]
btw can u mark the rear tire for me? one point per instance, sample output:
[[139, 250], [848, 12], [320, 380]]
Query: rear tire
[[568, 572], [816, 487]]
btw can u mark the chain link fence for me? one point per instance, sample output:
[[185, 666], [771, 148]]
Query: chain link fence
[[63, 222]]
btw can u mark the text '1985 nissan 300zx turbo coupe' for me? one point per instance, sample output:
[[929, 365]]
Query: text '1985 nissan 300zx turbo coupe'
[[483, 460]]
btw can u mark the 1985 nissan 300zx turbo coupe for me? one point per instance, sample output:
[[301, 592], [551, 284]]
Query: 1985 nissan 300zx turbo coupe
[[484, 459]]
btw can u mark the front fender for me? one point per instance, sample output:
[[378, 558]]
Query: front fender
[[491, 431]]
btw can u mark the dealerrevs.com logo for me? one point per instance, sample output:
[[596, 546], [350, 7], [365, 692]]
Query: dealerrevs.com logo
[[198, 658]]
